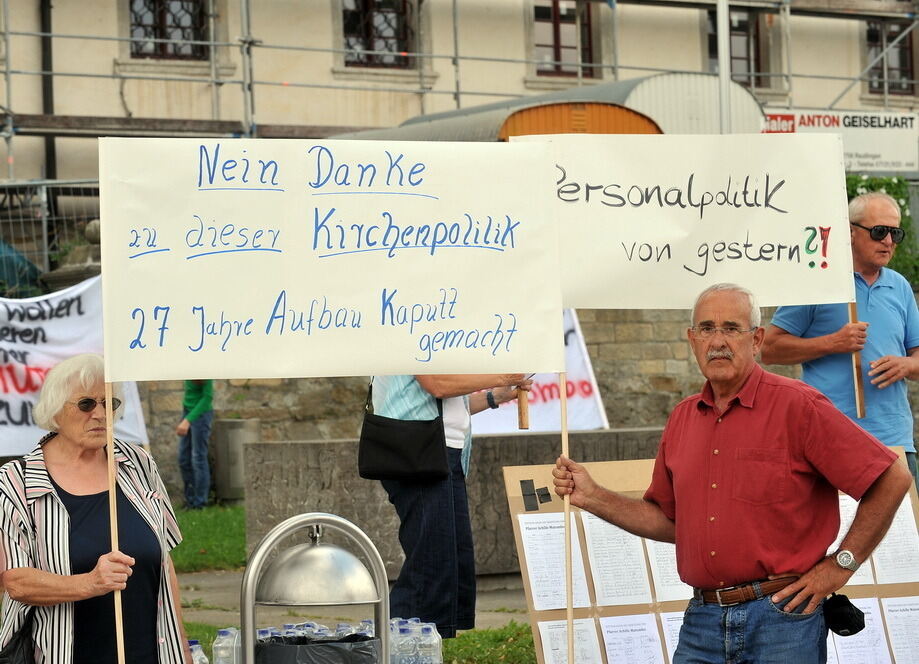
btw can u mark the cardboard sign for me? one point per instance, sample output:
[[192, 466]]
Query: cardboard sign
[[35, 334], [629, 599], [269, 258], [648, 222]]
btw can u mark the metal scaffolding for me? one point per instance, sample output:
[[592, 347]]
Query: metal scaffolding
[[249, 45]]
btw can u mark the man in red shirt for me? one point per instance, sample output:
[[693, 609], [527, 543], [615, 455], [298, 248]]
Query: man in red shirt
[[745, 483]]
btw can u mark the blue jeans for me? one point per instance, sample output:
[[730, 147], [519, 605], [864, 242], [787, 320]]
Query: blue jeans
[[437, 580], [911, 462], [196, 473], [755, 632]]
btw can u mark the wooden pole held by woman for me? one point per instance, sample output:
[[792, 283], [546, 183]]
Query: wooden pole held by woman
[[523, 409], [113, 512]]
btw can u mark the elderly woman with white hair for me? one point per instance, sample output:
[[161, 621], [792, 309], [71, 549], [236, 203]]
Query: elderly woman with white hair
[[57, 565]]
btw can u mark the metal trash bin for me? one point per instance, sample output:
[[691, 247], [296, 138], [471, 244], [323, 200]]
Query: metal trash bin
[[315, 574]]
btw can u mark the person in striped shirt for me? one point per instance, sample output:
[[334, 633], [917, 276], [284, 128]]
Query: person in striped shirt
[[55, 552]]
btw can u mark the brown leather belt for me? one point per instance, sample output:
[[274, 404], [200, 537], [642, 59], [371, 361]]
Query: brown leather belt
[[743, 593]]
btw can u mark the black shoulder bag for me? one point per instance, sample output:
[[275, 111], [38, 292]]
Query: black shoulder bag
[[410, 451], [21, 648]]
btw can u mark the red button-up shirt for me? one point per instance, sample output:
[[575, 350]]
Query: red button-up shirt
[[753, 490]]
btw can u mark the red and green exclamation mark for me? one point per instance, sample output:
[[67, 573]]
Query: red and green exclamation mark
[[811, 246]]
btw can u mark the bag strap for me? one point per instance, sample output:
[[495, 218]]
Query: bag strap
[[368, 405]]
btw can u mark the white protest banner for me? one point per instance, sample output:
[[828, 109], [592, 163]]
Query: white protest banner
[[270, 258], [37, 333], [873, 141], [585, 407], [650, 221]]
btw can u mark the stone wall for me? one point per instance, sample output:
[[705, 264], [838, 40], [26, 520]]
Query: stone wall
[[289, 478]]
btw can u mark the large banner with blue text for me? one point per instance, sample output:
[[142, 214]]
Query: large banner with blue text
[[35, 334], [650, 221], [268, 258]]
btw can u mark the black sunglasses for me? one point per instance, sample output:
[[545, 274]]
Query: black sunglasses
[[878, 233], [88, 404]]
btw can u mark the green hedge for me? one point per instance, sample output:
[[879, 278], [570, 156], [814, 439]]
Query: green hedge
[[906, 258]]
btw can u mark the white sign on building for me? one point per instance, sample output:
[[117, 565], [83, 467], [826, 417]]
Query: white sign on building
[[872, 141]]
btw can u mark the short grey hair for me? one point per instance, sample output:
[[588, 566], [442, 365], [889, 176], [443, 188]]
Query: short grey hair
[[83, 370], [755, 314], [858, 204]]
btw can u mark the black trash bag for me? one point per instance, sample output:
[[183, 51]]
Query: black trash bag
[[360, 652]]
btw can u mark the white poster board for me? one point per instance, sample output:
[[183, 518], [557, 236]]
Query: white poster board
[[585, 407], [35, 334], [874, 141], [650, 221], [269, 258]]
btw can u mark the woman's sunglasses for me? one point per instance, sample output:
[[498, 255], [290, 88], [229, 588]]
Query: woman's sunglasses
[[878, 233], [88, 404]]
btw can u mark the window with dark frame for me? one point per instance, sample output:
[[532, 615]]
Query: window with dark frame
[[745, 47], [180, 20], [555, 38], [384, 26], [900, 70]]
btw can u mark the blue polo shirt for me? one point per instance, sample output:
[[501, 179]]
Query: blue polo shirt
[[889, 307]]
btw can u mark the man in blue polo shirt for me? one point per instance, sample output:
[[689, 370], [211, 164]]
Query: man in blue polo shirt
[[821, 338]]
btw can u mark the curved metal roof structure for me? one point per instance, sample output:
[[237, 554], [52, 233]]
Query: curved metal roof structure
[[677, 103]]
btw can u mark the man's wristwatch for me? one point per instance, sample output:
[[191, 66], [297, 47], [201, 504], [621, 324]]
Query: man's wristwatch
[[846, 560], [490, 398]]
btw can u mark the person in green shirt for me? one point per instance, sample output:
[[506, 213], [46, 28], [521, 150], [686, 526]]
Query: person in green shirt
[[194, 431]]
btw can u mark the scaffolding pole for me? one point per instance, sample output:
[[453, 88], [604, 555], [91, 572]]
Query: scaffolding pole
[[8, 128], [456, 55], [723, 32], [246, 42], [212, 51]]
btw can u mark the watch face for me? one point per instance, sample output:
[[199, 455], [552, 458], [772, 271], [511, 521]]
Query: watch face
[[845, 559]]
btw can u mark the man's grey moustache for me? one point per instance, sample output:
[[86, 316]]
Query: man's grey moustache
[[719, 355]]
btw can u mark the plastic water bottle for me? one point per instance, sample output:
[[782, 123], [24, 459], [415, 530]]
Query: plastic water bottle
[[367, 626], [406, 647], [223, 647], [197, 652], [429, 651], [264, 635]]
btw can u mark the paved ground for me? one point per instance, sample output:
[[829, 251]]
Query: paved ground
[[213, 598]]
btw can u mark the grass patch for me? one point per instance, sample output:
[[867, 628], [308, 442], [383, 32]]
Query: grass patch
[[214, 538], [511, 644], [204, 633]]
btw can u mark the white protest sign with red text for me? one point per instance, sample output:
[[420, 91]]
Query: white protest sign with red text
[[585, 407], [35, 334]]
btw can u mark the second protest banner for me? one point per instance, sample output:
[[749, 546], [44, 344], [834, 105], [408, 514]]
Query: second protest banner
[[650, 221]]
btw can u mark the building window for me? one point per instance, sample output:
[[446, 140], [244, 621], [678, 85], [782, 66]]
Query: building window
[[555, 38], [899, 59], [184, 20], [384, 26], [745, 47]]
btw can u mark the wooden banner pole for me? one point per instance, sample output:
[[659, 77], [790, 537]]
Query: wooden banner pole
[[113, 513], [569, 586], [857, 369], [523, 409]]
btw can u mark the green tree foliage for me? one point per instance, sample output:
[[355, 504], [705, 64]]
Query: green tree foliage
[[906, 258]]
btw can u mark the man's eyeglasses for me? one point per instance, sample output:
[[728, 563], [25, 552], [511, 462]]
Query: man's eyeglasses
[[88, 404], [878, 233], [708, 331]]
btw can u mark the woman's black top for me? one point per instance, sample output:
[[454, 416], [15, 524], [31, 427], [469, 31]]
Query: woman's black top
[[94, 618]]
